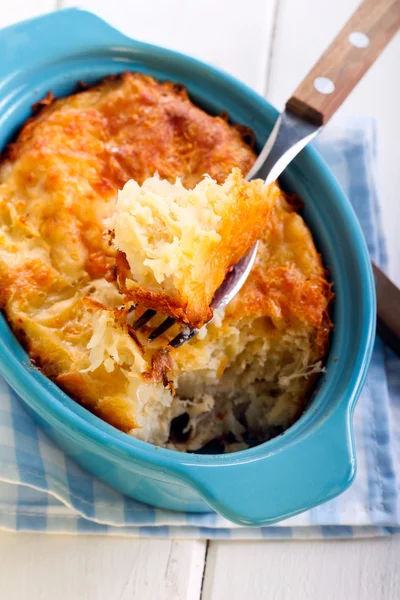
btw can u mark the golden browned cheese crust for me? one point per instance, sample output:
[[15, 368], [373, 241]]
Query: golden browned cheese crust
[[202, 264], [288, 282], [58, 184]]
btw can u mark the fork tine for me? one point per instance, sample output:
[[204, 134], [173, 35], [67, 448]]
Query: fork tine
[[146, 316], [162, 328], [184, 336]]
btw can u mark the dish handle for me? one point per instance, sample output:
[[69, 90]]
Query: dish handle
[[286, 481], [59, 33]]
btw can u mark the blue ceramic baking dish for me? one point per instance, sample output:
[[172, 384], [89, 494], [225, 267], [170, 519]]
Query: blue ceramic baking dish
[[311, 462]]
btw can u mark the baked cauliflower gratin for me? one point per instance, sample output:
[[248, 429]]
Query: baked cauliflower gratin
[[247, 376], [176, 245]]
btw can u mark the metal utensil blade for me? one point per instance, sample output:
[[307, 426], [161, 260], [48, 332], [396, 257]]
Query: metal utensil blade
[[288, 137], [224, 294]]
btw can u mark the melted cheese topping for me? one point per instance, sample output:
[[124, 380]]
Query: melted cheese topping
[[247, 376]]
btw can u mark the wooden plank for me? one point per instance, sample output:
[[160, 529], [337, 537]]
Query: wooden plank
[[365, 569], [301, 34], [18, 10], [44, 567], [230, 34], [64, 567], [309, 570]]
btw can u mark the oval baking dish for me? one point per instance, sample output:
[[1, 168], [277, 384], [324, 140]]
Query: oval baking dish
[[312, 461]]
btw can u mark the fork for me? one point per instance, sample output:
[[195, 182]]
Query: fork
[[314, 102]]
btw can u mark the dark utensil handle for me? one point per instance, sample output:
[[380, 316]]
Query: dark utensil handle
[[388, 305]]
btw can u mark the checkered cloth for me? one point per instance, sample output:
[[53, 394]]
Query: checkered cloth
[[41, 489]]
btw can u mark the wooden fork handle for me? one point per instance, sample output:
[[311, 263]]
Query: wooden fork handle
[[346, 60], [388, 304]]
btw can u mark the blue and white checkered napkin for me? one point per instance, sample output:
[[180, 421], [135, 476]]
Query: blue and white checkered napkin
[[43, 490]]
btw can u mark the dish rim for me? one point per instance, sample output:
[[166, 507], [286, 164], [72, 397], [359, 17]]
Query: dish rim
[[52, 403]]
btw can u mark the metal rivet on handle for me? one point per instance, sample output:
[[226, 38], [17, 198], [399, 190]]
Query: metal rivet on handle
[[324, 85], [358, 39]]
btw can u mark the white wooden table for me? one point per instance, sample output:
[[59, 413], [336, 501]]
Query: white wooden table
[[269, 44]]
